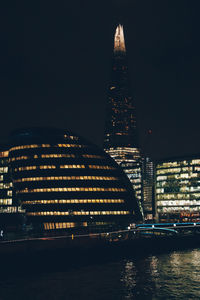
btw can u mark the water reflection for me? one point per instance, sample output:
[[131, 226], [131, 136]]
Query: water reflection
[[167, 276], [140, 278], [174, 276]]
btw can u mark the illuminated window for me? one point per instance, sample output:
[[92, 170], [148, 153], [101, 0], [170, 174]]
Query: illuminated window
[[78, 213], [101, 167], [71, 189], [72, 166], [68, 201], [4, 153]]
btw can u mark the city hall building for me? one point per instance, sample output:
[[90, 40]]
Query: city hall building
[[63, 181], [177, 189]]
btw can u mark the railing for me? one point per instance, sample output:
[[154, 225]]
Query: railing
[[132, 233]]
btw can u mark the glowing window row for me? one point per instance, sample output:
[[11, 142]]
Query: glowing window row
[[165, 183], [68, 201], [182, 189], [195, 161], [25, 168], [178, 195], [172, 170], [178, 163], [9, 209], [70, 145], [5, 185], [29, 147], [77, 213], [45, 146], [59, 155], [5, 201], [28, 168], [72, 189], [3, 170], [48, 226], [101, 167], [178, 202], [72, 166], [66, 178], [18, 158], [178, 209]]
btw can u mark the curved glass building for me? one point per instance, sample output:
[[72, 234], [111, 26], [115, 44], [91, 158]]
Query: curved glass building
[[63, 181]]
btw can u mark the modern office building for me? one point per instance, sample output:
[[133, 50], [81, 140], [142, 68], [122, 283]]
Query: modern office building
[[177, 189], [148, 188], [120, 137], [10, 211], [62, 181]]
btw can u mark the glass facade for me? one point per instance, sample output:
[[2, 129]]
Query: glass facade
[[148, 188], [61, 186], [120, 137], [178, 190], [130, 161], [120, 125], [11, 214], [6, 199]]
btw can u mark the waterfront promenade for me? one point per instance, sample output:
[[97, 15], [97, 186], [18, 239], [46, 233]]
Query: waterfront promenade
[[146, 236]]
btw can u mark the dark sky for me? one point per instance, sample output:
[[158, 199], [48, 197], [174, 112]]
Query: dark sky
[[56, 58]]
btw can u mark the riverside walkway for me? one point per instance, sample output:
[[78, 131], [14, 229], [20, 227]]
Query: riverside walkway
[[133, 231]]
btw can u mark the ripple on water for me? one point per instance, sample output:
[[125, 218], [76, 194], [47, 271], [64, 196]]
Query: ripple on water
[[175, 275]]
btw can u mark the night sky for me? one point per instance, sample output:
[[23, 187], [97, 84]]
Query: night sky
[[55, 61]]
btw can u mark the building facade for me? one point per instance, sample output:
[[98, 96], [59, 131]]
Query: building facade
[[64, 182], [10, 211], [177, 190], [148, 188], [120, 136]]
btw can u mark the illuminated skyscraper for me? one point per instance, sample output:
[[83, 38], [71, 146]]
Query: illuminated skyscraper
[[120, 129], [120, 138], [148, 188]]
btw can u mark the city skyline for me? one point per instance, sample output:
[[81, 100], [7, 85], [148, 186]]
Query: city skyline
[[56, 67]]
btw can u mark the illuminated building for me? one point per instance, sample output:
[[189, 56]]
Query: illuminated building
[[120, 137], [63, 181], [10, 211], [148, 188], [178, 189]]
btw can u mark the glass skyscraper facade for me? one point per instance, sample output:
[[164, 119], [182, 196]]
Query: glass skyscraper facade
[[177, 189], [120, 137], [148, 188]]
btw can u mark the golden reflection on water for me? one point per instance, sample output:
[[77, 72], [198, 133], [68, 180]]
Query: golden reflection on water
[[137, 276], [174, 275]]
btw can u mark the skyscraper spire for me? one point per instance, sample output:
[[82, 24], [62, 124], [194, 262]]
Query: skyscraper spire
[[120, 127], [119, 42], [120, 137]]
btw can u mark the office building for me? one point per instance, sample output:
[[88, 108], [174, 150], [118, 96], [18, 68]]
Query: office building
[[148, 188], [177, 189], [10, 211], [120, 137]]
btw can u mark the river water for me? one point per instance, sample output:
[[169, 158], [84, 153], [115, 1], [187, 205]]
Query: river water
[[174, 275]]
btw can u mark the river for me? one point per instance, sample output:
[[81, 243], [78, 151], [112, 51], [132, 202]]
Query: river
[[173, 275]]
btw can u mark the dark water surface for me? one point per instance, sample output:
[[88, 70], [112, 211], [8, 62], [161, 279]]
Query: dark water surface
[[174, 275]]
